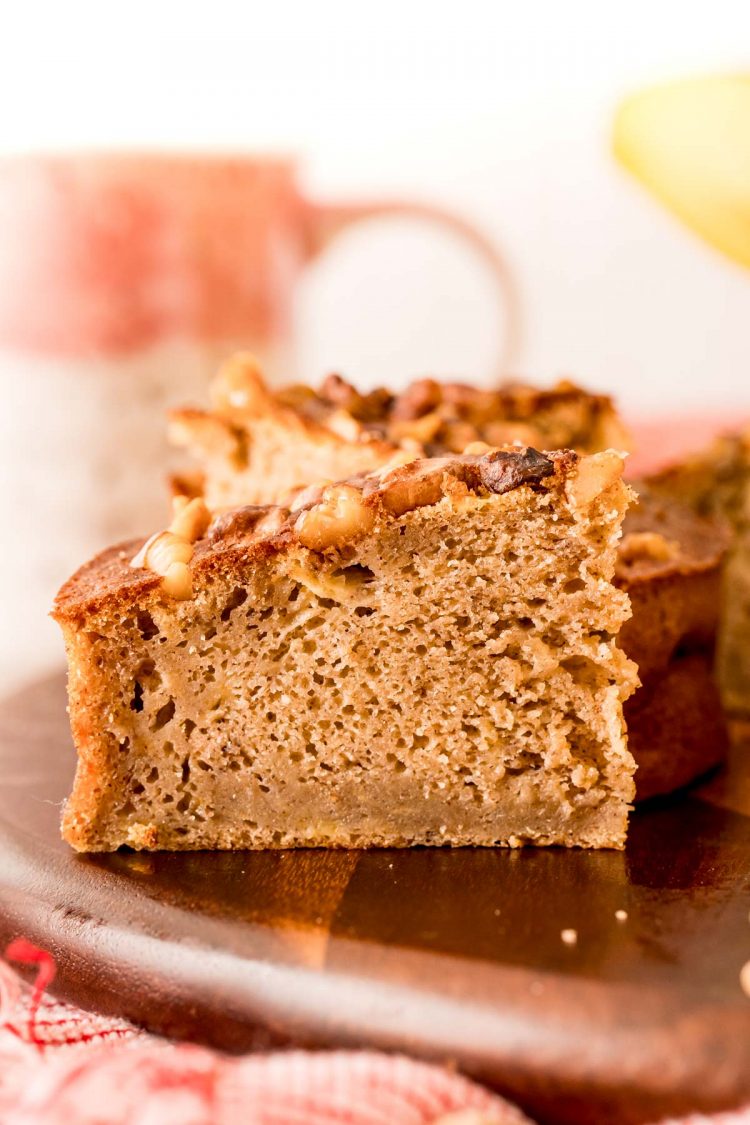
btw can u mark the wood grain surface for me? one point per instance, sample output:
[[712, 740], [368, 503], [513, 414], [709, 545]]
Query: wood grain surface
[[450, 955]]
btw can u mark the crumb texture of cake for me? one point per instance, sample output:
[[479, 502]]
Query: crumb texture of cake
[[425, 655], [256, 445]]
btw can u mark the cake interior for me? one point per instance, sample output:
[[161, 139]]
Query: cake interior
[[452, 677]]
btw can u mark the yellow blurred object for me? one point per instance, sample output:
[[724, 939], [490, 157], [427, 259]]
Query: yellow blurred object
[[689, 143]]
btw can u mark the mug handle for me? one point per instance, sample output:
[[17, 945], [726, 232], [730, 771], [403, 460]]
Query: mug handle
[[326, 220]]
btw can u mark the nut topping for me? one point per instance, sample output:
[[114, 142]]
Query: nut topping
[[240, 385], [420, 397], [369, 407], [191, 519], [501, 470], [167, 553], [178, 582], [238, 521], [309, 496], [340, 517], [271, 523], [421, 430], [341, 423], [161, 550], [595, 475], [413, 486]]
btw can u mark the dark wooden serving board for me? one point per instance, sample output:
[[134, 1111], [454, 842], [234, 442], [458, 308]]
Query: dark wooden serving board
[[451, 955]]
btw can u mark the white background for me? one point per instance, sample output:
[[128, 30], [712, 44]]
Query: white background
[[499, 110]]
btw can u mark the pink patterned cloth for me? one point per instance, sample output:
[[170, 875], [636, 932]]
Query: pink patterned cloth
[[63, 1066]]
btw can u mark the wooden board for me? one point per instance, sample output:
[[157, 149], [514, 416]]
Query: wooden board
[[445, 954]]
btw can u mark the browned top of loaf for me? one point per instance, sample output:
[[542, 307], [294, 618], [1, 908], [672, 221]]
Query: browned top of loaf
[[428, 417], [379, 408], [252, 533], [663, 538]]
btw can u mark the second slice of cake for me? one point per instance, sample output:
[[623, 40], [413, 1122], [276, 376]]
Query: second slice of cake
[[256, 445], [421, 656]]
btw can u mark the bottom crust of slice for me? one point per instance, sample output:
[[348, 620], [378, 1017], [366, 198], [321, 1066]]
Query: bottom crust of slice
[[510, 828]]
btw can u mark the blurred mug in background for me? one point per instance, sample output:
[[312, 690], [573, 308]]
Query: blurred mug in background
[[124, 280]]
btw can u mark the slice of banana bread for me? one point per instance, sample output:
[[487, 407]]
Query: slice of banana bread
[[669, 562], [425, 655], [716, 481], [255, 445]]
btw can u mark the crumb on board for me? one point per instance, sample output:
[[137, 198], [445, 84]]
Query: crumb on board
[[570, 937], [621, 915]]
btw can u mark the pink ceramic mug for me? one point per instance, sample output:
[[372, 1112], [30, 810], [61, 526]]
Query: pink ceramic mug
[[124, 280], [109, 254]]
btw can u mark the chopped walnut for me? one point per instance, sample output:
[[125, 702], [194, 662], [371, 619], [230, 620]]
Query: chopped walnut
[[168, 553], [457, 435], [339, 392], [420, 397], [240, 385], [340, 517], [191, 518], [421, 430], [412, 486], [177, 583], [594, 475], [271, 522], [745, 978], [370, 407], [341, 423], [306, 497]]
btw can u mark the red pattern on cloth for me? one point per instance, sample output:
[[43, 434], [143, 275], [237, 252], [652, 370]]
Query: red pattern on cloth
[[63, 1066]]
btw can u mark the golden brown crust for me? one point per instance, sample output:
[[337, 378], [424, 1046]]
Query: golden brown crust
[[240, 395], [428, 418], [694, 544], [669, 615], [716, 481], [99, 580], [676, 726], [386, 414], [710, 479], [669, 563], [256, 531]]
